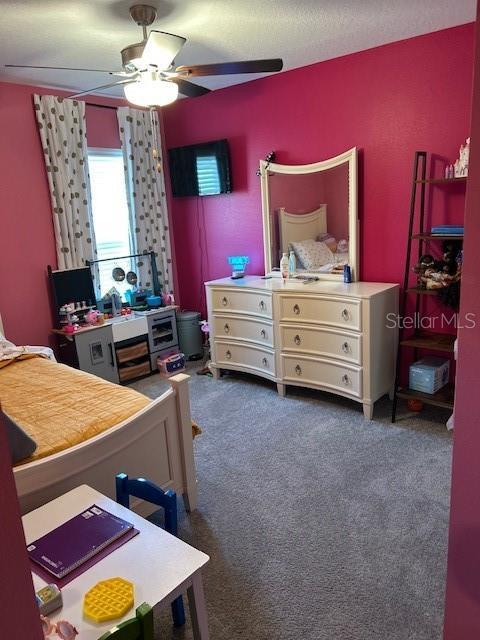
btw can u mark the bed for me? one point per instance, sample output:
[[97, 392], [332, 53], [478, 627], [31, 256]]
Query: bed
[[149, 438], [296, 227]]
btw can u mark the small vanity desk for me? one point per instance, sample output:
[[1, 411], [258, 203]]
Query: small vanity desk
[[325, 334]]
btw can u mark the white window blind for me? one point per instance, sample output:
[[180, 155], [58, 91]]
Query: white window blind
[[207, 175], [110, 214]]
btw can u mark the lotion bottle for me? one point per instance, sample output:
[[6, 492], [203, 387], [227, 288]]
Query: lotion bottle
[[292, 264]]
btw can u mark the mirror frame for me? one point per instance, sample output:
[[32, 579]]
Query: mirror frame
[[349, 156]]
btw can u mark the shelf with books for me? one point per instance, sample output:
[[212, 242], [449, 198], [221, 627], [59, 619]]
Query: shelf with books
[[436, 236]]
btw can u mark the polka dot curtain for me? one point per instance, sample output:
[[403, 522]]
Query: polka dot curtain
[[61, 124], [142, 154]]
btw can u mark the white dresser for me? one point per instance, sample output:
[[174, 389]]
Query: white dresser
[[325, 335]]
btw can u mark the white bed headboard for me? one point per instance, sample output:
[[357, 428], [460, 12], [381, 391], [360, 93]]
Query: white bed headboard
[[294, 227]]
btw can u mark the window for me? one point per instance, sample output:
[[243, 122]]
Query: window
[[110, 215], [207, 175]]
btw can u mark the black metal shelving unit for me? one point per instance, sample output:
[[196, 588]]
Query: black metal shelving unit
[[422, 339]]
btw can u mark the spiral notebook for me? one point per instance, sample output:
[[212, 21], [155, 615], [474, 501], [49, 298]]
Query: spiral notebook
[[77, 541]]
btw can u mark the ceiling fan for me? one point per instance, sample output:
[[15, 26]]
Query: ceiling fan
[[149, 78]]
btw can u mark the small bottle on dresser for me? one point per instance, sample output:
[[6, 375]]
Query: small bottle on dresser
[[292, 264], [284, 266]]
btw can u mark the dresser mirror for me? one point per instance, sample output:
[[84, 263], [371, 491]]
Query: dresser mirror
[[312, 210]]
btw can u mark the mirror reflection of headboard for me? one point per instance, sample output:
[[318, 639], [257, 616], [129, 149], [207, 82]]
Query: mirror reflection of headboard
[[294, 227], [292, 194]]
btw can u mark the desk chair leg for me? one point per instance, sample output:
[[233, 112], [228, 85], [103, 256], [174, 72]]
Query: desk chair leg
[[198, 608], [178, 612]]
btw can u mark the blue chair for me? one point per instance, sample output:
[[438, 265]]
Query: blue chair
[[146, 490]]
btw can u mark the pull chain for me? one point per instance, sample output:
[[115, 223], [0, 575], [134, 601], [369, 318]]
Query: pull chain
[[156, 142]]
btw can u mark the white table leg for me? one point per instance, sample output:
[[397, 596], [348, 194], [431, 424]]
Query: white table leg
[[198, 609]]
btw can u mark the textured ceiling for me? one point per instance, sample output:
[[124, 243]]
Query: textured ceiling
[[91, 33]]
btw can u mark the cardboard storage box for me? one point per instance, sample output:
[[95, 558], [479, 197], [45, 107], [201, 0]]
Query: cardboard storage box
[[429, 374]]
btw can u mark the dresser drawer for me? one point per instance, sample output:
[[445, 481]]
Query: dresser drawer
[[341, 345], [251, 329], [336, 376], [250, 302], [336, 312], [245, 356]]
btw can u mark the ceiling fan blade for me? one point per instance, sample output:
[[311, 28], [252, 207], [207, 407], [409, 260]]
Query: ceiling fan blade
[[161, 48], [189, 89], [225, 68], [103, 86], [30, 66]]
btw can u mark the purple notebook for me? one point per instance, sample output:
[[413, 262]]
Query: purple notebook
[[77, 541]]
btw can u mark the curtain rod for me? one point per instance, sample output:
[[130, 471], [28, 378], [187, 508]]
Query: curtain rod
[[107, 106], [100, 106]]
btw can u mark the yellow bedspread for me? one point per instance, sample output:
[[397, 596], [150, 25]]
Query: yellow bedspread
[[59, 406]]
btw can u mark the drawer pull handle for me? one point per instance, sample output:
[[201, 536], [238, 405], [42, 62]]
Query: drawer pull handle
[[297, 340], [298, 370], [345, 379], [226, 328], [265, 362], [263, 333], [345, 314], [262, 305], [224, 301], [296, 310], [228, 355], [346, 347]]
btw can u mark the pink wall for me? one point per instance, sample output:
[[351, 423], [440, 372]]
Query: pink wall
[[26, 232], [336, 183], [20, 617], [388, 101], [297, 194], [26, 236], [462, 615]]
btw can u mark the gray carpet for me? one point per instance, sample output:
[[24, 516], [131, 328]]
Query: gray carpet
[[319, 525]]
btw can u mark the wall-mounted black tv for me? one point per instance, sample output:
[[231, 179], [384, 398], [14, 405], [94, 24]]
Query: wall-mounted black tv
[[200, 169]]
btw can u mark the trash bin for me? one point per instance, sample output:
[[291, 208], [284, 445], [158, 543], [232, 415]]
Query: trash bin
[[189, 334]]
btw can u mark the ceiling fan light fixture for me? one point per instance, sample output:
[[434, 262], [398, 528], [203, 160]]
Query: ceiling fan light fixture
[[161, 49], [150, 91]]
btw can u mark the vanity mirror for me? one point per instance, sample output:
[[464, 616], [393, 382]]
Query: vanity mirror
[[312, 210]]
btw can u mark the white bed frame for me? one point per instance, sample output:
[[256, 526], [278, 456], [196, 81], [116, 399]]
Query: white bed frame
[[155, 443], [294, 227]]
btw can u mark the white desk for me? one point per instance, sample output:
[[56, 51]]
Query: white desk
[[159, 565]]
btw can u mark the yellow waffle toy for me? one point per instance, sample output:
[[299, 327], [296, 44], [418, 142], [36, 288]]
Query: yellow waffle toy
[[108, 600]]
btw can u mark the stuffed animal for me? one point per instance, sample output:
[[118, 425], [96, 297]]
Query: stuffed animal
[[442, 274]]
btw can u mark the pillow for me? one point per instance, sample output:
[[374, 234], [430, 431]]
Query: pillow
[[312, 254], [342, 246], [20, 444], [323, 237]]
